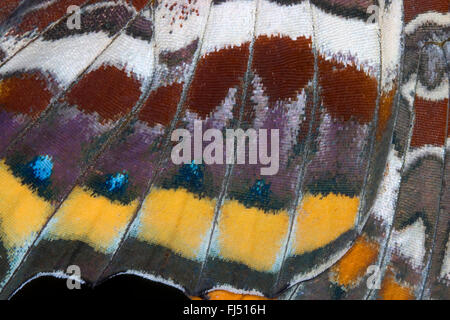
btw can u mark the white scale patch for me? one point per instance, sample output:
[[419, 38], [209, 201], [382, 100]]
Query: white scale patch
[[134, 55], [416, 154], [409, 90], [414, 88], [445, 270], [172, 35], [230, 24], [64, 59], [384, 206], [292, 21], [442, 19], [390, 30], [349, 41], [10, 45], [410, 243]]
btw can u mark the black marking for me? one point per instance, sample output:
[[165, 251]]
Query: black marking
[[339, 184], [342, 10], [107, 19]]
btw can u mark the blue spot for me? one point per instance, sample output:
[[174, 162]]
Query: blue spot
[[117, 181], [259, 194], [191, 172], [42, 167], [190, 176]]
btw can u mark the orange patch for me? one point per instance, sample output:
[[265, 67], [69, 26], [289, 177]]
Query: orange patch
[[355, 262], [226, 295], [385, 111], [393, 290]]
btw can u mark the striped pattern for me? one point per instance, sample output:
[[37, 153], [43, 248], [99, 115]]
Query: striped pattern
[[361, 105]]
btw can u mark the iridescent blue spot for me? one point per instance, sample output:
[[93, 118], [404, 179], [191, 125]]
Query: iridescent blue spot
[[190, 176], [259, 194], [191, 171], [42, 167], [116, 181]]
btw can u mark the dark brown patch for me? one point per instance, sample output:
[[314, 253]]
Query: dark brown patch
[[430, 122], [385, 112], [2, 55], [141, 28], [285, 65], [419, 194], [161, 106], [216, 73], [183, 55], [346, 8], [347, 93], [110, 19], [416, 7], [107, 91], [279, 2], [25, 94]]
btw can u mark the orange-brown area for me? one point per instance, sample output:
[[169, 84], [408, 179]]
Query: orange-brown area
[[430, 122], [108, 91], [391, 289], [416, 7], [355, 262], [25, 94], [346, 92], [226, 295], [385, 111], [285, 65], [43, 17], [161, 105], [216, 73]]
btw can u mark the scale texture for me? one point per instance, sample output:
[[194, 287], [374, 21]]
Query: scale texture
[[358, 89]]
